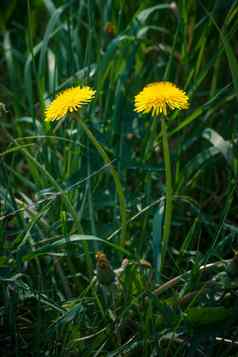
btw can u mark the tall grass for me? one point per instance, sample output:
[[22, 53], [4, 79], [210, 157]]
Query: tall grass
[[59, 204]]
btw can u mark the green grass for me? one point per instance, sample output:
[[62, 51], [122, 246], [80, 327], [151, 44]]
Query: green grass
[[75, 187]]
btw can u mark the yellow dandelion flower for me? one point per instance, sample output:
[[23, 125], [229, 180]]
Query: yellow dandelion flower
[[105, 273], [102, 260], [69, 100], [158, 97]]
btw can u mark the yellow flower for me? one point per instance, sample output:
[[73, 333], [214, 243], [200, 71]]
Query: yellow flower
[[158, 97], [68, 101], [105, 273], [102, 261]]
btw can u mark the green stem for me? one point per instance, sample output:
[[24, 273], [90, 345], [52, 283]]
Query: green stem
[[169, 190], [116, 178]]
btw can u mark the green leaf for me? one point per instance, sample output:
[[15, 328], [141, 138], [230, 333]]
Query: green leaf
[[208, 315], [233, 63], [157, 235], [195, 164], [143, 16], [223, 146], [60, 243]]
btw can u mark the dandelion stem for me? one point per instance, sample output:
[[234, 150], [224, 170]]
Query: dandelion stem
[[169, 191], [116, 178]]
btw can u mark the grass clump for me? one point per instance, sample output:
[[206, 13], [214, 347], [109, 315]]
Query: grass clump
[[118, 231]]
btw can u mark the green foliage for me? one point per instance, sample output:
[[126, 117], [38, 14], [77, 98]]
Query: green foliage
[[61, 201]]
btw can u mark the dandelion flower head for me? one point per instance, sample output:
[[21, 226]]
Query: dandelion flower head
[[102, 260], [69, 100], [158, 97]]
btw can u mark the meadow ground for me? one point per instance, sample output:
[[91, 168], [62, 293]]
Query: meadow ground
[[118, 228]]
